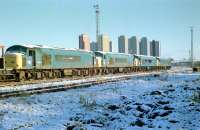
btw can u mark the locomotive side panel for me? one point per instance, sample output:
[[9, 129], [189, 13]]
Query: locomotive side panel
[[164, 63], [118, 60], [47, 58], [147, 61], [112, 60], [72, 59], [43, 58]]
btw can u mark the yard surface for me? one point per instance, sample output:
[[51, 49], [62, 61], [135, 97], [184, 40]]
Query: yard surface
[[167, 101]]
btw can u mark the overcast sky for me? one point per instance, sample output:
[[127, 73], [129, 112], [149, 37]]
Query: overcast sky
[[59, 22]]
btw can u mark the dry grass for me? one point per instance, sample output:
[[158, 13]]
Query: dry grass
[[88, 102], [196, 96]]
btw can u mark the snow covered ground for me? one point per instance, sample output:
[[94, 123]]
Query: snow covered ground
[[160, 102], [66, 82]]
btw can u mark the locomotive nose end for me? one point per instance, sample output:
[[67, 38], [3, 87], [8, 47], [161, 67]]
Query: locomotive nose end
[[13, 61]]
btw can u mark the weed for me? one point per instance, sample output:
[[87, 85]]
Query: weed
[[87, 102], [196, 96]]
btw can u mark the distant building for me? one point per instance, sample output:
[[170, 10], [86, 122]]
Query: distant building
[[158, 53], [152, 48], [123, 44], [110, 44], [84, 42], [93, 46], [144, 46], [133, 45], [155, 48], [104, 43]]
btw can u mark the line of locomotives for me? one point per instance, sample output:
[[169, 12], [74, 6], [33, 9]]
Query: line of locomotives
[[25, 62]]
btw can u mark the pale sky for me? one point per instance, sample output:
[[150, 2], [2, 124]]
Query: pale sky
[[59, 22]]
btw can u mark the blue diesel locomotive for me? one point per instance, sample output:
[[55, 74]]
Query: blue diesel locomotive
[[24, 62]]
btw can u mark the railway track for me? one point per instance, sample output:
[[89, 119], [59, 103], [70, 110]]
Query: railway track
[[63, 87]]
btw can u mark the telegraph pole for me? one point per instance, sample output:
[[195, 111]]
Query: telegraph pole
[[97, 12], [192, 51]]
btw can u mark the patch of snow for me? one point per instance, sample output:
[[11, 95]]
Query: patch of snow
[[163, 102]]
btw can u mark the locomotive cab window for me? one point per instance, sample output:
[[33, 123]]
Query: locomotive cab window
[[30, 53], [17, 48]]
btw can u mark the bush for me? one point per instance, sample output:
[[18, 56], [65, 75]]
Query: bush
[[87, 101], [196, 96]]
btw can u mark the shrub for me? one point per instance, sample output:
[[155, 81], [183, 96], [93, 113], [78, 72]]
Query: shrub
[[88, 102], [196, 96]]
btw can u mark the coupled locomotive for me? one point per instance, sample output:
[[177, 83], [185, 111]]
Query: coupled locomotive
[[25, 62]]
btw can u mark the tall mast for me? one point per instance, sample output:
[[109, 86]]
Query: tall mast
[[192, 51], [97, 12]]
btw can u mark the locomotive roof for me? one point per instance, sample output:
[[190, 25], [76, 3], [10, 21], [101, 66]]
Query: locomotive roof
[[145, 56], [112, 53], [48, 47]]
